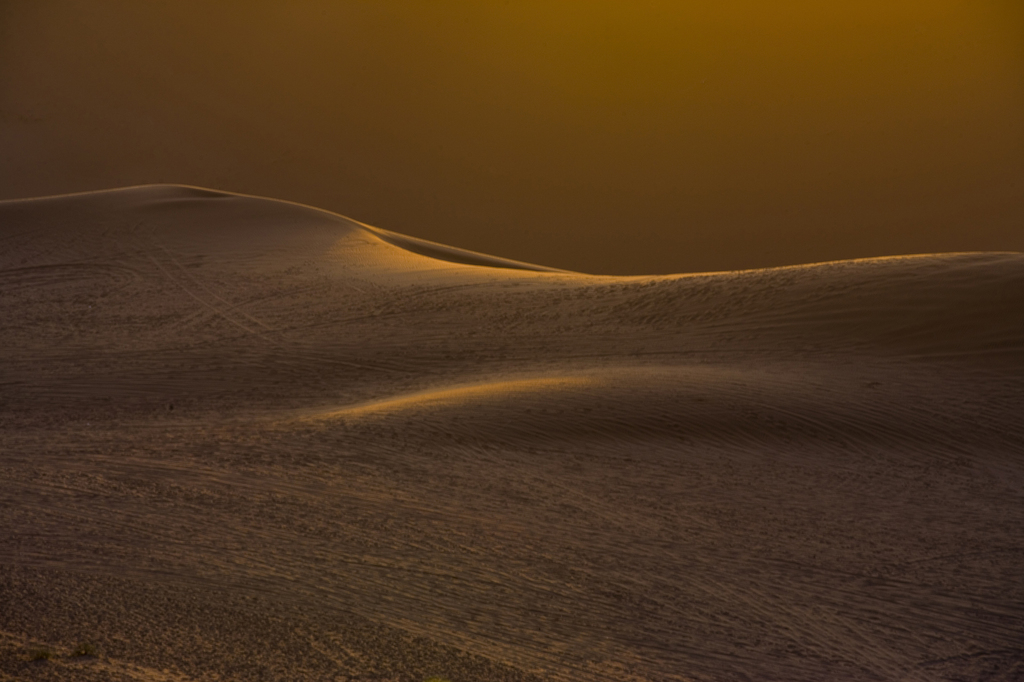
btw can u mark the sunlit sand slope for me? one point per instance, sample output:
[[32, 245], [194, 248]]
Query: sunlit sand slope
[[250, 439]]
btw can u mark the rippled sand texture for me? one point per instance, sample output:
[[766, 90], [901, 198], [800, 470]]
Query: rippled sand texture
[[244, 439]]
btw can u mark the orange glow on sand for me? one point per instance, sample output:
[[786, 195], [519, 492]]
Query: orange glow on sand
[[452, 396]]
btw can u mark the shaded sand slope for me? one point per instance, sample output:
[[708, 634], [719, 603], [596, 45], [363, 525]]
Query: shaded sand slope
[[251, 439]]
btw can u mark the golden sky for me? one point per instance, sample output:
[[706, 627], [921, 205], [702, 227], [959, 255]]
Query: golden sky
[[609, 137]]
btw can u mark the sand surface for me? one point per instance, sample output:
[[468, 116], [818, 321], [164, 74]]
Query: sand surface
[[243, 439]]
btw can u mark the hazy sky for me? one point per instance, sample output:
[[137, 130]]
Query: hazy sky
[[611, 137]]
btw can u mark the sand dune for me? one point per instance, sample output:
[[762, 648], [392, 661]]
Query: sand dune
[[247, 439]]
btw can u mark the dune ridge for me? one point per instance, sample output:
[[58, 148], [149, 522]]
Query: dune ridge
[[249, 438]]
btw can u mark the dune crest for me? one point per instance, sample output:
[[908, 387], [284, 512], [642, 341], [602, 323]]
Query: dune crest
[[241, 436], [451, 397]]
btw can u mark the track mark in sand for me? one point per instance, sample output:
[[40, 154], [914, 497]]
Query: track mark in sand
[[450, 396], [66, 275], [220, 311], [960, 555], [823, 637], [228, 311], [229, 306]]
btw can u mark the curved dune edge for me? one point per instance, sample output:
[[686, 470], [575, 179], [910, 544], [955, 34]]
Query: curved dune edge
[[453, 254], [414, 245], [451, 397], [434, 250]]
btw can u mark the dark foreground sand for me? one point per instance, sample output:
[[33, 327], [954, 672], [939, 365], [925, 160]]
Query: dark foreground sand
[[248, 440]]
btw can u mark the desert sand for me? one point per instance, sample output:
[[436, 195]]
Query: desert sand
[[244, 439]]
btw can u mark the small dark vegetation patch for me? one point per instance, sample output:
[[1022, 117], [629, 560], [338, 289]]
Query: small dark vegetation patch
[[40, 654], [85, 649]]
